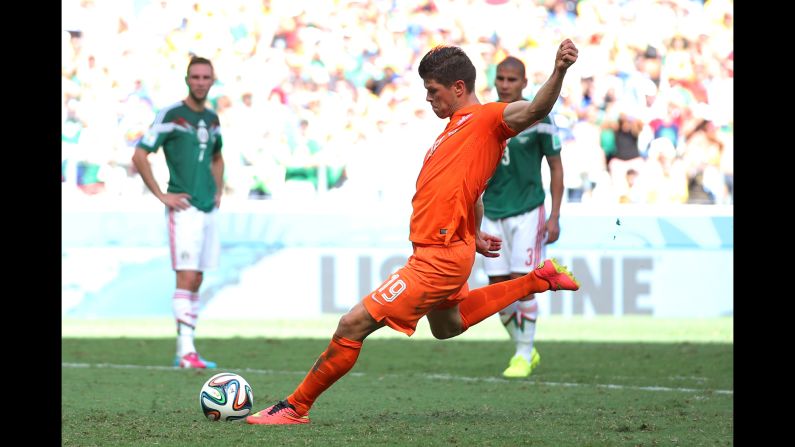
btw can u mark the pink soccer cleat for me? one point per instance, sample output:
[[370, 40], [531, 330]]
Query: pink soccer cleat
[[557, 275], [283, 413], [192, 360]]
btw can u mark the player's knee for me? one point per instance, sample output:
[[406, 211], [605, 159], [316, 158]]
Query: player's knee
[[346, 324], [443, 333], [356, 324], [187, 279], [440, 335], [195, 281]]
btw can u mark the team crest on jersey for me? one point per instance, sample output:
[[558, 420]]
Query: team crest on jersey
[[202, 134]]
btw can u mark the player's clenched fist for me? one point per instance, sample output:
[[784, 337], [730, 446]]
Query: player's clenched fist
[[567, 55]]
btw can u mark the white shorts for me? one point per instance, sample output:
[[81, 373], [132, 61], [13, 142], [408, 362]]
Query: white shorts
[[523, 242], [193, 239]]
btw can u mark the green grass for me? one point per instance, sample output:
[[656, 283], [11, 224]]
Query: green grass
[[601, 390], [639, 328]]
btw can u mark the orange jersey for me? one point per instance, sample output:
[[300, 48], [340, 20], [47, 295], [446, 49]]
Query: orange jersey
[[455, 172]]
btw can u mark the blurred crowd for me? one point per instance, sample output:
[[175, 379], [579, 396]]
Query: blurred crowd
[[323, 97]]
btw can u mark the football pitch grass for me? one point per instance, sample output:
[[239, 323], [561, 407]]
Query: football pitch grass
[[601, 382]]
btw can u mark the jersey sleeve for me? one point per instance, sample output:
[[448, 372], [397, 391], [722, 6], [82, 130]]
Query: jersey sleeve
[[157, 133], [496, 110], [548, 137]]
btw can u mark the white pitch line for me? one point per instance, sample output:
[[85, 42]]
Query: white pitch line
[[427, 376]]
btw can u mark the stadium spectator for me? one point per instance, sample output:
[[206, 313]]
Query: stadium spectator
[[309, 51], [627, 155]]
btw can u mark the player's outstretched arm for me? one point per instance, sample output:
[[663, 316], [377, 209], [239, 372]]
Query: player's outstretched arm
[[520, 115]]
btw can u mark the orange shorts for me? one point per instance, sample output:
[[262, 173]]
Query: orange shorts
[[434, 276]]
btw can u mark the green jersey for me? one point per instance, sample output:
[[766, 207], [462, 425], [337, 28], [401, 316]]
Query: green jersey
[[515, 187], [189, 140]]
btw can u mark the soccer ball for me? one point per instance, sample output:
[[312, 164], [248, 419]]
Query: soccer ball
[[226, 397]]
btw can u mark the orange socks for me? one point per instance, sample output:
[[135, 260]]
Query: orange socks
[[488, 300], [333, 363]]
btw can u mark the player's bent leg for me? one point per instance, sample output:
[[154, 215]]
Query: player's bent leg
[[445, 322], [486, 301], [338, 358], [357, 324]]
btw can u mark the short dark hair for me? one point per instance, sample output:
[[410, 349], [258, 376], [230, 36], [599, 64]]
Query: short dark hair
[[512, 62], [198, 60], [447, 64]]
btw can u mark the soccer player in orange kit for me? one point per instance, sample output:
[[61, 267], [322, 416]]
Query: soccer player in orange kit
[[444, 228]]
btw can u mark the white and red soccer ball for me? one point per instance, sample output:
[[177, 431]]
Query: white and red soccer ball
[[226, 397]]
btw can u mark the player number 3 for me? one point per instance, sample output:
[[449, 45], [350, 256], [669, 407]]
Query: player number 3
[[506, 157]]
